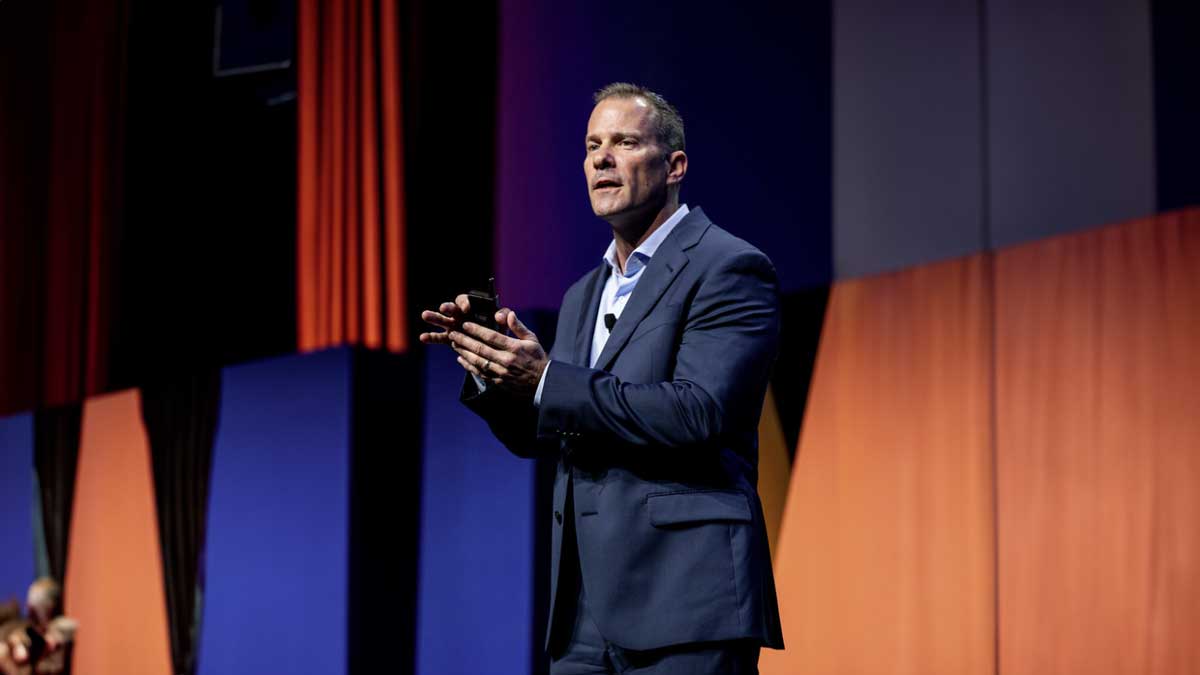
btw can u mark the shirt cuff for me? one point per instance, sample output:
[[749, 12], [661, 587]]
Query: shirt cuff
[[479, 382], [537, 395]]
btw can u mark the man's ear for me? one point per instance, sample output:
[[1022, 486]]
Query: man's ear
[[676, 167]]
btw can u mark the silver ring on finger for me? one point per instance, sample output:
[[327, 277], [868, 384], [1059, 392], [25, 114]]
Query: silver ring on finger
[[486, 365]]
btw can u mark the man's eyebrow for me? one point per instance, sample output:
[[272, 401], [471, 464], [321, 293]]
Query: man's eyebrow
[[618, 135]]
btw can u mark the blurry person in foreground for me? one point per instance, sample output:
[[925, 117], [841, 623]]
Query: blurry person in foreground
[[41, 641]]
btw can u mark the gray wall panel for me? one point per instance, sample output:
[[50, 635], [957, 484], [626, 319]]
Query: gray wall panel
[[1070, 111], [907, 134]]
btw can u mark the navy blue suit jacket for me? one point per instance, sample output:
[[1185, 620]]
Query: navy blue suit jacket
[[661, 441]]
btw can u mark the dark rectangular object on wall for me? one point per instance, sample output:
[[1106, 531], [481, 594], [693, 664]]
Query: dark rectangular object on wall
[[252, 36]]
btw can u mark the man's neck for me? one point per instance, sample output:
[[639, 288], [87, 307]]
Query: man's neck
[[629, 237]]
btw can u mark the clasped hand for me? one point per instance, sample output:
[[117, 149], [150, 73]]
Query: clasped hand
[[511, 363]]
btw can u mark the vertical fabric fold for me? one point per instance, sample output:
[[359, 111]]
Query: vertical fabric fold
[[885, 558], [56, 455], [181, 424], [63, 150], [350, 222], [1098, 472]]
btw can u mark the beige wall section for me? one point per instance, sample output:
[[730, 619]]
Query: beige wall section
[[1098, 449], [886, 554], [774, 467], [114, 584]]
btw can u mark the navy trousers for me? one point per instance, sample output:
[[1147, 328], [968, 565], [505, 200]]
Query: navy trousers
[[578, 648]]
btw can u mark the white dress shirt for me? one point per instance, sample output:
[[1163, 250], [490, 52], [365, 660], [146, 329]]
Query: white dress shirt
[[619, 287]]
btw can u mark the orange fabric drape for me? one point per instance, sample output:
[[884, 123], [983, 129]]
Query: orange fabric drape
[[885, 561], [350, 229], [774, 467], [999, 470], [1098, 447], [114, 583]]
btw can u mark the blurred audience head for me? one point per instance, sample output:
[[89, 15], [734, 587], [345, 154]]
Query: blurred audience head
[[44, 602]]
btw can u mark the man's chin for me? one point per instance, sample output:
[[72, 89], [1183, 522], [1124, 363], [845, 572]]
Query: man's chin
[[608, 210]]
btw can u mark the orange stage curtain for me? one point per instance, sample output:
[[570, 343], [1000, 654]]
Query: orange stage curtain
[[1098, 400], [774, 467], [114, 583], [350, 240], [885, 561]]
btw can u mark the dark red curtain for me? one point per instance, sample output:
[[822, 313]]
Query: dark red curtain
[[62, 75]]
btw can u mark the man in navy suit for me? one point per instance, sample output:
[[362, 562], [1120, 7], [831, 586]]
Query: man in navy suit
[[650, 400]]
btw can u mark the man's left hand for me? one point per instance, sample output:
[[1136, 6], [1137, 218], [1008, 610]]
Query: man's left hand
[[512, 363]]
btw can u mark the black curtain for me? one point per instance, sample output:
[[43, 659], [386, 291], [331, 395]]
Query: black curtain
[[385, 503], [181, 423], [56, 457]]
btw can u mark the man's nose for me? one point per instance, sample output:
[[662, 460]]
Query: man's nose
[[602, 158]]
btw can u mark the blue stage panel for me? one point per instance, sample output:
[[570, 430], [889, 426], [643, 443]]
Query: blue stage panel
[[16, 503], [476, 560], [277, 556]]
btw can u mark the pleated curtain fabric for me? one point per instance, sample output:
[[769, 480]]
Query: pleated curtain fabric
[[63, 139], [885, 559], [181, 424], [999, 471], [1098, 450], [350, 236], [55, 454]]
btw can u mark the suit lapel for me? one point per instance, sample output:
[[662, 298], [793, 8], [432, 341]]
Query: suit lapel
[[659, 274], [656, 278], [587, 315]]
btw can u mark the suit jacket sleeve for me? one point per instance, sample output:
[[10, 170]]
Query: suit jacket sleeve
[[724, 358]]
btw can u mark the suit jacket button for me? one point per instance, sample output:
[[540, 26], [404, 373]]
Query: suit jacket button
[[558, 517]]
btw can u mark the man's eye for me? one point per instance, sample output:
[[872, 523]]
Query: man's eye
[[629, 142], [591, 147]]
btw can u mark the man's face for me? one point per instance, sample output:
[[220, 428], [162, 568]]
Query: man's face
[[626, 168]]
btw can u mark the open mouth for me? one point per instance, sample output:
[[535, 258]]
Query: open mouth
[[606, 184]]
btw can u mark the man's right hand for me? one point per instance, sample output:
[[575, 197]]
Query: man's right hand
[[449, 317]]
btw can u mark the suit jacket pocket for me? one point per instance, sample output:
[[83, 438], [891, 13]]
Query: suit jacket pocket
[[702, 506]]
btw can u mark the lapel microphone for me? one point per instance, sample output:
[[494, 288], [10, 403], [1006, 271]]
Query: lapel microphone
[[610, 320]]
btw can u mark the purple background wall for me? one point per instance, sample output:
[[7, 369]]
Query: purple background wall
[[752, 83]]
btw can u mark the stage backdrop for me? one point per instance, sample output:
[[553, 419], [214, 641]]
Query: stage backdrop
[[998, 471], [885, 563], [16, 500]]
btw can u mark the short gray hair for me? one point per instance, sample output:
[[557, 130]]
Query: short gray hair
[[668, 124]]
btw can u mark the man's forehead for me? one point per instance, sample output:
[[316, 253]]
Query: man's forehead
[[625, 113]]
